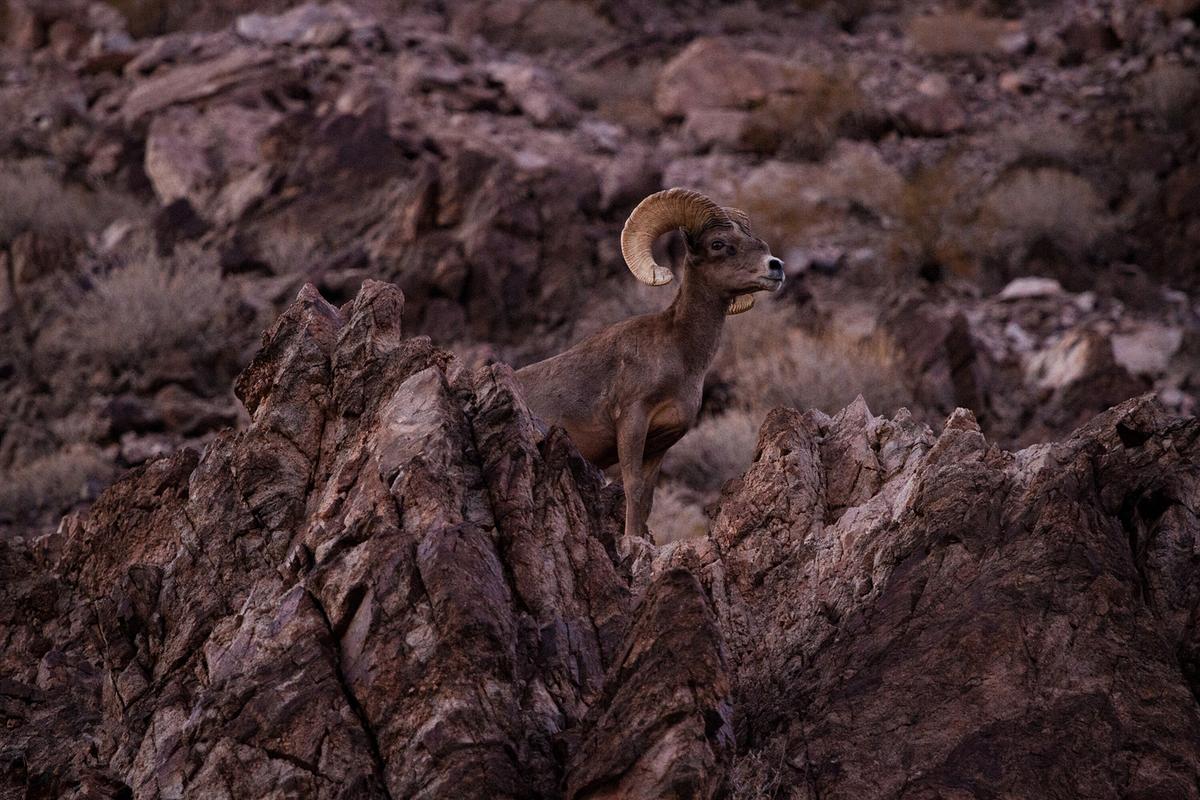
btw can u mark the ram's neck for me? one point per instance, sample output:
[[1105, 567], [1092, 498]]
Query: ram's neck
[[695, 319]]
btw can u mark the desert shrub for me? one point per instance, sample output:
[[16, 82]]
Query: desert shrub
[[1169, 91], [934, 211], [53, 483], [717, 449], [35, 200], [773, 362], [677, 514], [1045, 204], [144, 309], [760, 774]]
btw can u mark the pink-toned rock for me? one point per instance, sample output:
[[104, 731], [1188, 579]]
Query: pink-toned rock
[[535, 93], [393, 582], [708, 73], [191, 82], [932, 116], [213, 159], [982, 599]]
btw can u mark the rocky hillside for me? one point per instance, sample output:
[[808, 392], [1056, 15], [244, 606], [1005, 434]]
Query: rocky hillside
[[394, 582], [174, 172]]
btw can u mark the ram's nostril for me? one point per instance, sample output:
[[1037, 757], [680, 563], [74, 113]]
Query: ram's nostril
[[775, 265]]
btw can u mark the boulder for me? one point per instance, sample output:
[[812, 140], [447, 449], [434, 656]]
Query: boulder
[[931, 116], [196, 81], [212, 158], [535, 93], [708, 73]]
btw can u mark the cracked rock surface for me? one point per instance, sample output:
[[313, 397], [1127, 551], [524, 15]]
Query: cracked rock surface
[[395, 582]]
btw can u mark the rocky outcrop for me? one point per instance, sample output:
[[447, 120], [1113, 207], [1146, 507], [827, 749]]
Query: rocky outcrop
[[921, 616], [395, 582]]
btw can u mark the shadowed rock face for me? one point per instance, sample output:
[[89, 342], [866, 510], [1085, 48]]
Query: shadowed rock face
[[396, 583]]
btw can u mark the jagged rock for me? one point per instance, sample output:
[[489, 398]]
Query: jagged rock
[[395, 582], [975, 621]]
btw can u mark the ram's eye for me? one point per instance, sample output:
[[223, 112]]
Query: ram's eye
[[717, 245]]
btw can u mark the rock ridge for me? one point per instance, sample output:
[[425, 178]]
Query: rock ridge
[[396, 582]]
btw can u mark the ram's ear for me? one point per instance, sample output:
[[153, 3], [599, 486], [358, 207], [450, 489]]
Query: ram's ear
[[677, 249]]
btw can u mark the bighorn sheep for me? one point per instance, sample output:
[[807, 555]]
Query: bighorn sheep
[[629, 392]]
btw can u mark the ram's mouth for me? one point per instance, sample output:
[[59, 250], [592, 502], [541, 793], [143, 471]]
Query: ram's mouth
[[771, 283]]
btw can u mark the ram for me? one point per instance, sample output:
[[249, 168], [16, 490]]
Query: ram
[[629, 392]]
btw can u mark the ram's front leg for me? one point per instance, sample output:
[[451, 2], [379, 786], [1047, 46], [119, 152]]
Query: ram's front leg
[[631, 445]]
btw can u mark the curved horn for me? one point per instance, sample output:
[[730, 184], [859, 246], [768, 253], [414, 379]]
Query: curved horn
[[739, 304], [739, 217], [661, 212]]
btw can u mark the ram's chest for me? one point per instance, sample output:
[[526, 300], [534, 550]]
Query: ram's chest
[[668, 423]]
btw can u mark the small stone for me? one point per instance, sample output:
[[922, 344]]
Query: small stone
[[1014, 43], [1014, 82], [1024, 288], [932, 116], [935, 85]]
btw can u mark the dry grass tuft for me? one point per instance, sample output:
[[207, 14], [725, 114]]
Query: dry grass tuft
[[1169, 91], [35, 200], [773, 362], [934, 210], [1046, 204], [760, 774], [53, 483], [145, 309], [677, 515], [717, 449]]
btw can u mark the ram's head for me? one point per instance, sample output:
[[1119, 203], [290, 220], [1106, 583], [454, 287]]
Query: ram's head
[[721, 247]]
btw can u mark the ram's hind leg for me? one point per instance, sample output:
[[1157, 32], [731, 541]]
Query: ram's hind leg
[[649, 481]]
